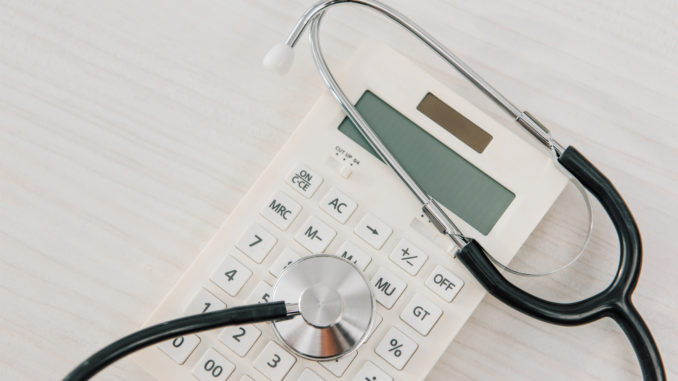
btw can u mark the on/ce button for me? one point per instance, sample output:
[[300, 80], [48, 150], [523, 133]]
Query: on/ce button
[[304, 180], [444, 283]]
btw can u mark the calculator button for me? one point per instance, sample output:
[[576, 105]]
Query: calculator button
[[274, 362], [338, 366], [280, 210], [213, 366], [421, 314], [261, 294], [370, 372], [315, 235], [338, 205], [352, 253], [373, 231], [396, 348], [304, 180], [256, 243], [408, 256], [179, 348], [286, 257], [203, 302], [231, 275], [240, 339], [309, 375], [246, 378], [375, 325], [444, 283], [387, 287]]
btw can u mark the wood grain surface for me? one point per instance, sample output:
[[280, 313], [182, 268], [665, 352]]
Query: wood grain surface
[[129, 130]]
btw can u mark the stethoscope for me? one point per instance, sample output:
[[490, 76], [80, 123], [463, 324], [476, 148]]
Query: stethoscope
[[326, 306]]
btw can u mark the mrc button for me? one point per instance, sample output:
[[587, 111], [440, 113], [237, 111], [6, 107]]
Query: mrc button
[[444, 283], [304, 180], [280, 210]]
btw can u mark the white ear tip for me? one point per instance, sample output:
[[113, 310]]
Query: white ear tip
[[279, 58]]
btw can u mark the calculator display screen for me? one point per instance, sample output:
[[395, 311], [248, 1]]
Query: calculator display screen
[[446, 176]]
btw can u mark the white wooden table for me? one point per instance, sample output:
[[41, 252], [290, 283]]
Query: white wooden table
[[129, 129]]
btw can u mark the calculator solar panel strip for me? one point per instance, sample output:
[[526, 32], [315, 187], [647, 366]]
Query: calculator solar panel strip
[[323, 192]]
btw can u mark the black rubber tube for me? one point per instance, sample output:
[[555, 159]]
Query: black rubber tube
[[174, 328], [613, 302]]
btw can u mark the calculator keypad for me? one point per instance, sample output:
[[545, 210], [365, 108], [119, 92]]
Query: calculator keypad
[[300, 229]]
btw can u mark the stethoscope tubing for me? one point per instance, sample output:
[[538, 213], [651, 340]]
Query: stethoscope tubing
[[613, 302]]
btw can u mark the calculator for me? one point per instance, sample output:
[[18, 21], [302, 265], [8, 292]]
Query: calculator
[[327, 192]]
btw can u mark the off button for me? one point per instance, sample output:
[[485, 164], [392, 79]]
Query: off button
[[304, 180], [444, 283]]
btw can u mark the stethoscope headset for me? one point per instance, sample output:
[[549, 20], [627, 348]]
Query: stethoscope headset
[[331, 295]]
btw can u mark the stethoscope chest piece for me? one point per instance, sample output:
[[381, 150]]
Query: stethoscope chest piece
[[335, 303]]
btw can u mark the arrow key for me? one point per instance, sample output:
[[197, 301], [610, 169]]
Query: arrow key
[[373, 231]]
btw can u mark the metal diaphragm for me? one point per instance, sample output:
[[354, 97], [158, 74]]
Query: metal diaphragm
[[335, 303]]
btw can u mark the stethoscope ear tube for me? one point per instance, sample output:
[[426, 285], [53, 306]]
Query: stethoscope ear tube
[[174, 328], [614, 301]]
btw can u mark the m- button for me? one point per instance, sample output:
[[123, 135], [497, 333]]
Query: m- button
[[280, 210], [444, 283], [304, 180], [315, 235]]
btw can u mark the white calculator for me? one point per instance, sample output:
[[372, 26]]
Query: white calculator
[[326, 192]]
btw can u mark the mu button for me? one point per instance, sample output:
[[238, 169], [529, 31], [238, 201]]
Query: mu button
[[387, 287]]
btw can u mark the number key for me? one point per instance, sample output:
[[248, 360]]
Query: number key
[[338, 366], [261, 294], [231, 275], [213, 366], [371, 372], [203, 302], [240, 339], [179, 348], [274, 362], [256, 243], [309, 375]]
